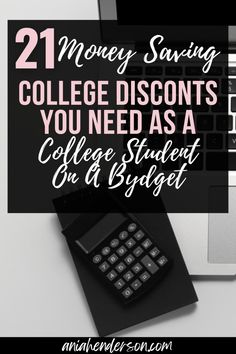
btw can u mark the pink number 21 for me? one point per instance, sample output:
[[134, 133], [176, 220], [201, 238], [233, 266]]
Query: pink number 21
[[22, 62]]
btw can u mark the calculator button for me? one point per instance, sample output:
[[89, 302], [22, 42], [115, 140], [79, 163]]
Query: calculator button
[[120, 267], [136, 268], [106, 251], [129, 275], [97, 258], [114, 243], [127, 293], [154, 252], [144, 277], [119, 284], [104, 266], [132, 227], [136, 284], [121, 251], [129, 259], [130, 243], [112, 275], [147, 243], [123, 235], [162, 260], [149, 264], [138, 251], [139, 235], [113, 258]]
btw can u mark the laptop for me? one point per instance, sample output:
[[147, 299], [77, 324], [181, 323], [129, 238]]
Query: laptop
[[207, 241]]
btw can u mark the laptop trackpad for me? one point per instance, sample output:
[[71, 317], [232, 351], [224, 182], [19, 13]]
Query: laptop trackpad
[[222, 233]]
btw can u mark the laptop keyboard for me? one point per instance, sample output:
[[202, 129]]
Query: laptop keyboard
[[211, 122]]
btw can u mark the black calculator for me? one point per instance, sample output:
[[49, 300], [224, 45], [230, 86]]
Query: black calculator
[[121, 251]]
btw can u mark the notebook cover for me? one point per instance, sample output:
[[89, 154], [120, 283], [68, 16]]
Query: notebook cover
[[175, 290]]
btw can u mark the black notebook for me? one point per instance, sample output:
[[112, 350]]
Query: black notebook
[[173, 292]]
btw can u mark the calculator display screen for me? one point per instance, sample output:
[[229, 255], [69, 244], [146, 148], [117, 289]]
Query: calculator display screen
[[102, 229]]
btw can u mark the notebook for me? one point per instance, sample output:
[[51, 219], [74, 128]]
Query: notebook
[[109, 314]]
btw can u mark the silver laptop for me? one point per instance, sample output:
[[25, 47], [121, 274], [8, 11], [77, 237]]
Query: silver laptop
[[207, 241]]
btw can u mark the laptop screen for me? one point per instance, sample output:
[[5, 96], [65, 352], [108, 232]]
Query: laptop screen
[[158, 12], [154, 12]]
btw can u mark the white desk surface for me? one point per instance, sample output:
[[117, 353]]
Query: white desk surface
[[40, 293]]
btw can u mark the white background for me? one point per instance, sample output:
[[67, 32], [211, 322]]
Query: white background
[[40, 294]]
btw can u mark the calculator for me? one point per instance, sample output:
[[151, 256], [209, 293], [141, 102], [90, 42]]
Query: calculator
[[121, 251]]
